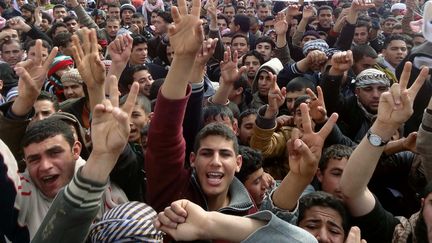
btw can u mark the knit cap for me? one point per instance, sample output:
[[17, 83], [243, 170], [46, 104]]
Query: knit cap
[[59, 63], [317, 44], [312, 33], [128, 222], [371, 76], [72, 76], [127, 6]]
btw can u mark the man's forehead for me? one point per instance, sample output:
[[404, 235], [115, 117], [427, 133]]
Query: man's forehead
[[58, 141]]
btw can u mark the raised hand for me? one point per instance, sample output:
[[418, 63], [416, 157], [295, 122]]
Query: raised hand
[[120, 49], [358, 5], [396, 105], [87, 59], [110, 125], [186, 34], [316, 57], [293, 10], [281, 25], [305, 151], [229, 67], [109, 133], [18, 23], [32, 74], [183, 220], [341, 62], [212, 9], [276, 98], [308, 12], [206, 51], [317, 107]]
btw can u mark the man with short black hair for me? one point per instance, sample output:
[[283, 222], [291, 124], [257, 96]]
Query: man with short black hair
[[394, 51]]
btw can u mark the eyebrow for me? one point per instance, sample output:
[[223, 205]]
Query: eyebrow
[[50, 150]]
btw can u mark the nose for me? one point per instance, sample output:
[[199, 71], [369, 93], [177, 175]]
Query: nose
[[45, 164], [323, 236], [376, 94], [216, 160]]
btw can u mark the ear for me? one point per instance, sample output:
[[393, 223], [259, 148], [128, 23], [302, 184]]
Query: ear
[[76, 149], [238, 91], [192, 158], [235, 126], [239, 162], [422, 202], [319, 175], [357, 91]]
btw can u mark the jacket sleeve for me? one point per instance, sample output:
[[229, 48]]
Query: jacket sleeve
[[11, 208], [283, 54], [12, 128], [423, 146], [337, 137], [84, 18], [297, 37], [193, 120], [36, 33], [72, 212], [289, 72], [265, 139], [334, 99], [165, 155], [345, 38]]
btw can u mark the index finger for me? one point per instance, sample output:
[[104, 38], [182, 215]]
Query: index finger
[[320, 95], [306, 121], [93, 42], [131, 99], [38, 52], [403, 81], [328, 126]]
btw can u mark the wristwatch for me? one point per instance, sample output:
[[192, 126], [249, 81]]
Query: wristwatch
[[375, 140]]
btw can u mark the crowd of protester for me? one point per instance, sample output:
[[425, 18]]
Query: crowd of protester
[[215, 121]]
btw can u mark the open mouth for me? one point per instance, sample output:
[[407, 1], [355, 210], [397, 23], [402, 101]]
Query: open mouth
[[49, 179], [214, 178]]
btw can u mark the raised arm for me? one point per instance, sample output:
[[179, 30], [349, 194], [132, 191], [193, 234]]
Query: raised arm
[[308, 12], [423, 140], [394, 109], [186, 221], [229, 74], [165, 154], [282, 51], [332, 81], [304, 156]]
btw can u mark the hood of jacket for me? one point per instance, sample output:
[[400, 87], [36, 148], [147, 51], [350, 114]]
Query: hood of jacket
[[273, 65]]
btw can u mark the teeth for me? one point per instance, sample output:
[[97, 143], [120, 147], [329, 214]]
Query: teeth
[[47, 177], [215, 175]]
